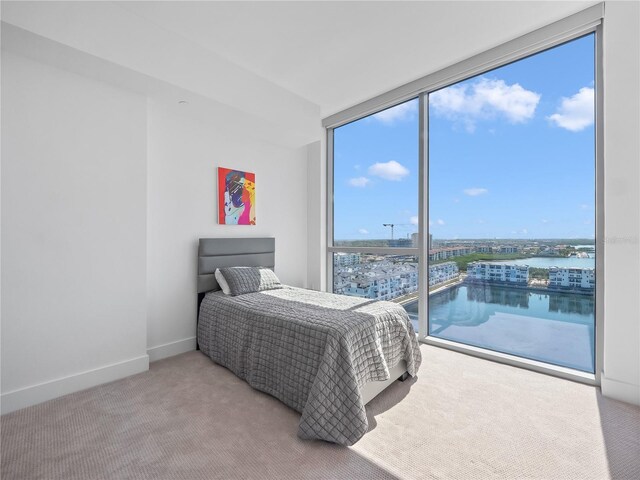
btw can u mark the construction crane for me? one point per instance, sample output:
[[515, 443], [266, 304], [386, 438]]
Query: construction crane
[[394, 225]]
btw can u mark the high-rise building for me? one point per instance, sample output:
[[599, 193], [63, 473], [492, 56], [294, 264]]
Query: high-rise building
[[414, 240]]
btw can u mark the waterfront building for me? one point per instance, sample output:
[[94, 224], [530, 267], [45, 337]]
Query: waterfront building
[[508, 249], [346, 259], [548, 251], [498, 272], [449, 252], [572, 278], [442, 272], [380, 280]]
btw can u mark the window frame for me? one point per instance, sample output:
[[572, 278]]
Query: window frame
[[331, 249], [580, 24]]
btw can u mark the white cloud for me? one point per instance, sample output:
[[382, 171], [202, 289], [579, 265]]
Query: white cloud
[[575, 113], [390, 170], [525, 231], [482, 99], [544, 220], [363, 231], [440, 221], [359, 182], [414, 220], [474, 192], [404, 111]]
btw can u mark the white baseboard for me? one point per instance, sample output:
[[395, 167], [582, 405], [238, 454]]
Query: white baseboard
[[625, 392], [171, 349], [34, 394]]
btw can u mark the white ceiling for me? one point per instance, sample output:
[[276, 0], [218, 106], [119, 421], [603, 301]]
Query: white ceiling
[[276, 67], [337, 54]]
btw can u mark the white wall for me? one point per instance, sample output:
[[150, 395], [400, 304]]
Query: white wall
[[621, 376], [183, 158], [73, 232], [316, 223], [98, 181]]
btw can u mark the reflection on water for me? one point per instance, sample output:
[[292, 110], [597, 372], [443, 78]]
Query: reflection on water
[[582, 304], [553, 327], [502, 296]]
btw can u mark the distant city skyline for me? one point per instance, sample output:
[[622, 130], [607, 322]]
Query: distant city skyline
[[472, 239], [511, 156]]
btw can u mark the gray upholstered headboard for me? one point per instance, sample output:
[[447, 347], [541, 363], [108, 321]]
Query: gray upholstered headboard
[[231, 252]]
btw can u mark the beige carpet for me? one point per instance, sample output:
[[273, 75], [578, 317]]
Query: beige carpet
[[462, 418]]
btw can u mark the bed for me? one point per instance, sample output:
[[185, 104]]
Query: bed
[[323, 355]]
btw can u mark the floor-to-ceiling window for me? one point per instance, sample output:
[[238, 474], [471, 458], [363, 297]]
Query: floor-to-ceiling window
[[475, 205], [375, 207], [512, 205]]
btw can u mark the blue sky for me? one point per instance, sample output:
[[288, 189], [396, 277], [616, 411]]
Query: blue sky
[[511, 155]]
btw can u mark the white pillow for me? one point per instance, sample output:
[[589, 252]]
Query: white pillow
[[222, 282]]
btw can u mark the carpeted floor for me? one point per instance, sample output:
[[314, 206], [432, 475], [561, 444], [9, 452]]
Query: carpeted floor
[[463, 418]]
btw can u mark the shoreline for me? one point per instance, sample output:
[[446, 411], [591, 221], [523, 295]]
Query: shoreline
[[530, 288], [463, 281]]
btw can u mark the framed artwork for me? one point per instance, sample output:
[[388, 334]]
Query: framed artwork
[[236, 197]]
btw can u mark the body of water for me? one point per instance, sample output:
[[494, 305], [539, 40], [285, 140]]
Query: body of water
[[546, 262], [556, 328]]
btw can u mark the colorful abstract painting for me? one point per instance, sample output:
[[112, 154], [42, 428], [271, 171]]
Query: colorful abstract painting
[[236, 197]]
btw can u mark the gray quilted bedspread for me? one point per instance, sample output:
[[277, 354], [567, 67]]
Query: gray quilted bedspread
[[311, 350]]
